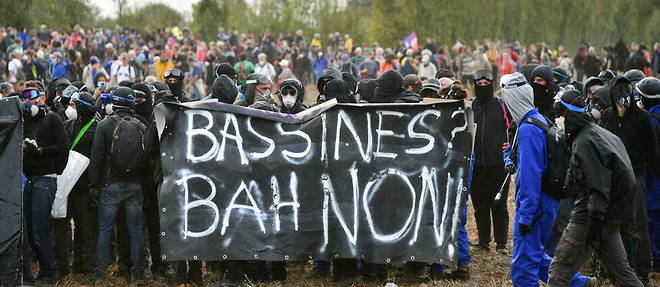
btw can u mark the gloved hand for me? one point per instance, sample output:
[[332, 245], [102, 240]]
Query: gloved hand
[[93, 197], [510, 168], [31, 146], [595, 234], [524, 229]]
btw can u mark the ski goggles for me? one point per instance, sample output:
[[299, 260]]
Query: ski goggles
[[30, 94]]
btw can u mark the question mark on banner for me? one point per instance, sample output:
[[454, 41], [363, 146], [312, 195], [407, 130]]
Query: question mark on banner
[[456, 129]]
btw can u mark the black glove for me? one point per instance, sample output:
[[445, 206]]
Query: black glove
[[524, 229], [510, 168], [595, 234], [93, 197]]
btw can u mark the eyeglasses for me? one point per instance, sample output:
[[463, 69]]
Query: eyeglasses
[[30, 94]]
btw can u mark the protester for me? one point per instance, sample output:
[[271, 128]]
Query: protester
[[117, 159], [602, 178], [535, 210], [633, 126], [492, 121]]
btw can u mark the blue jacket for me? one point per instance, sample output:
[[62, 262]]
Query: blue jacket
[[58, 70], [531, 201]]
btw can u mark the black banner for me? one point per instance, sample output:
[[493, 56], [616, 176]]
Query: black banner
[[11, 203], [379, 182]]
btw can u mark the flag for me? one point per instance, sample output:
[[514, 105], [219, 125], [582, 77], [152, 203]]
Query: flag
[[411, 41]]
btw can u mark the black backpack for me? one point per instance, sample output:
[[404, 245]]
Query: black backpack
[[558, 160], [127, 153]]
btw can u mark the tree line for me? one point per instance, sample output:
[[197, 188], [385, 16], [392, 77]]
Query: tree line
[[567, 22]]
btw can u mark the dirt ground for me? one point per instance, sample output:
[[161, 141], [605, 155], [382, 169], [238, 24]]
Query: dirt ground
[[488, 269]]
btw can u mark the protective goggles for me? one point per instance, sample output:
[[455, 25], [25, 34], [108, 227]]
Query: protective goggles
[[176, 73], [288, 90], [30, 94], [76, 97], [483, 74]]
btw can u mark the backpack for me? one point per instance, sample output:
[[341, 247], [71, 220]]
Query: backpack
[[558, 160], [127, 152]]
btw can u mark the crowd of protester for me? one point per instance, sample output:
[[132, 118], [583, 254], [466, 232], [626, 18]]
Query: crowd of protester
[[94, 91]]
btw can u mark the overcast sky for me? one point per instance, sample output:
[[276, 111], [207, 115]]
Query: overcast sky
[[109, 7]]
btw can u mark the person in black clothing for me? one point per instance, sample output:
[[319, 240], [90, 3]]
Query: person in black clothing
[[637, 60], [329, 75], [174, 79], [34, 69], [545, 88], [291, 95], [337, 89], [488, 172], [44, 157], [411, 88], [119, 184], [80, 130], [602, 178], [54, 91], [388, 87], [224, 90], [633, 125]]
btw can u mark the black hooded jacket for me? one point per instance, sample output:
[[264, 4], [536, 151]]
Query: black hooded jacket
[[337, 89], [491, 129], [601, 173], [47, 129], [544, 96], [366, 89], [329, 75], [636, 132], [224, 90], [73, 128], [408, 97], [388, 87]]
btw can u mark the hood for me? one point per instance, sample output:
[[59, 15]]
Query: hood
[[366, 89], [224, 90], [388, 87], [590, 82], [85, 107], [337, 89], [601, 97], [526, 70], [620, 80], [544, 97], [575, 121], [329, 75], [350, 82], [518, 96]]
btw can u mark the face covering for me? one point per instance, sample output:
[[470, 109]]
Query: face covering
[[145, 108], [288, 101], [483, 92], [560, 123], [176, 88], [32, 109], [71, 113], [595, 112], [109, 109], [266, 95]]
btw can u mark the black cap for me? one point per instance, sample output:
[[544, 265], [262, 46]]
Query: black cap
[[573, 101]]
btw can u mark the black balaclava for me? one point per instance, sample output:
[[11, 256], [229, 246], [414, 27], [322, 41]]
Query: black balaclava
[[388, 87], [337, 89], [177, 88], [526, 70], [544, 95], [85, 111], [484, 93], [224, 90]]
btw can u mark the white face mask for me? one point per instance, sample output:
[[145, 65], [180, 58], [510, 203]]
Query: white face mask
[[109, 109], [289, 101], [71, 113]]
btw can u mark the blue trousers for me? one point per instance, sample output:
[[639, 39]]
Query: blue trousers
[[463, 245], [529, 262], [39, 195], [114, 198]]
